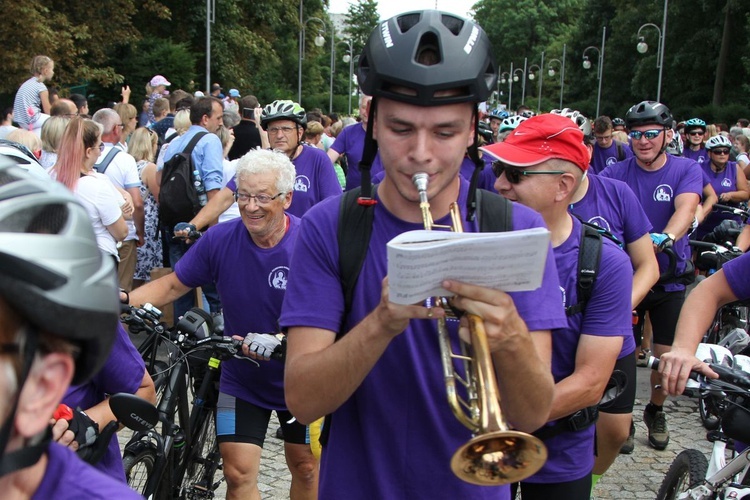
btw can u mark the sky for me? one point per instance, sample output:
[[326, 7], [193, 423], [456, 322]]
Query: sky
[[389, 8]]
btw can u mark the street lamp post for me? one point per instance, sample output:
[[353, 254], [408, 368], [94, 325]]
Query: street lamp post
[[319, 41], [523, 80], [210, 19], [600, 71], [505, 78], [551, 72], [523, 84], [541, 80], [642, 46], [349, 59]]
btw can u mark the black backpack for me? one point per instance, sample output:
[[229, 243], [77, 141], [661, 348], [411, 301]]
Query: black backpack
[[178, 197]]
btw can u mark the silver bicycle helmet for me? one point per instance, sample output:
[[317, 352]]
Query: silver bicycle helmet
[[53, 273], [511, 123], [283, 110], [584, 124]]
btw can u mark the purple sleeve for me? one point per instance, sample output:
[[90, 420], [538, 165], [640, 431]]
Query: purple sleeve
[[736, 272], [193, 269], [328, 183], [636, 221], [609, 311], [232, 184], [339, 145]]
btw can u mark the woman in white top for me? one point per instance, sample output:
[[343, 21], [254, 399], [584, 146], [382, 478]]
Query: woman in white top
[[78, 152], [742, 146], [31, 106]]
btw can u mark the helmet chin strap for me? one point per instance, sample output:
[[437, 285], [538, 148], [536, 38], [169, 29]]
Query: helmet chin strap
[[31, 453]]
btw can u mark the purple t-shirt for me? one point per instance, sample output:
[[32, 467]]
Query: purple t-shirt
[[351, 142], [316, 180], [123, 372], [722, 182], [700, 155], [394, 437], [657, 190], [251, 282], [607, 314], [604, 157], [68, 477], [736, 272]]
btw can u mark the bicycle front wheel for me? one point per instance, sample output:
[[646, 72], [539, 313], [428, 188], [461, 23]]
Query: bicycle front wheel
[[139, 465], [688, 470], [204, 460]]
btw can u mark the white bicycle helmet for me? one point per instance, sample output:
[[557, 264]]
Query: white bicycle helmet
[[718, 141], [584, 124], [21, 156], [283, 110], [511, 123]]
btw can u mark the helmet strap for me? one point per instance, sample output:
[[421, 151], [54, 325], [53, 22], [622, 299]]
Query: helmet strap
[[471, 199], [368, 156], [29, 455]]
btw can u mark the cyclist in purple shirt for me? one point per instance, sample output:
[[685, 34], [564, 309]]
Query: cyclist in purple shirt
[[695, 131], [541, 165], [58, 314], [607, 151], [392, 434], [350, 142], [728, 181], [248, 259], [668, 188]]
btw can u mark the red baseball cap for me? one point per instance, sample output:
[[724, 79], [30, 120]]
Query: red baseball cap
[[542, 138]]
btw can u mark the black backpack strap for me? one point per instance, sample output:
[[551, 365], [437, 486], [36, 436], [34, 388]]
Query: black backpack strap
[[494, 211], [353, 234], [589, 257], [620, 151], [102, 167], [193, 142]]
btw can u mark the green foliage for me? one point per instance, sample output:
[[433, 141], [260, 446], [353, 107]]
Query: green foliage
[[361, 19]]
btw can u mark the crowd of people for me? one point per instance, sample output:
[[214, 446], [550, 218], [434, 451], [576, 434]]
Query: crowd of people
[[268, 180]]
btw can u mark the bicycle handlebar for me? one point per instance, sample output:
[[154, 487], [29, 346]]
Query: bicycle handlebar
[[741, 212], [733, 378]]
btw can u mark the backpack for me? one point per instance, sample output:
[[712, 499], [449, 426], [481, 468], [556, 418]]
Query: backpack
[[620, 151], [179, 199], [102, 167]]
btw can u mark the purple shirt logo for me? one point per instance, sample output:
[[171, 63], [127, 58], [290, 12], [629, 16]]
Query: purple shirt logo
[[278, 278], [302, 183], [701, 159], [600, 221], [564, 296], [663, 192], [611, 160], [726, 182]]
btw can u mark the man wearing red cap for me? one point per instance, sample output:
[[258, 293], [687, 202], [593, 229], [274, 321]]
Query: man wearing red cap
[[541, 164]]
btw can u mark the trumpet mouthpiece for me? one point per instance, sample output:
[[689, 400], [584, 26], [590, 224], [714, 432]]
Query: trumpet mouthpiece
[[420, 180]]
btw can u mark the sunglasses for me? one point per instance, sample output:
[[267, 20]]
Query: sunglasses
[[721, 151], [696, 132], [648, 134], [514, 175]]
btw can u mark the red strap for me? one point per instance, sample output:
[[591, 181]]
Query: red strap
[[63, 412]]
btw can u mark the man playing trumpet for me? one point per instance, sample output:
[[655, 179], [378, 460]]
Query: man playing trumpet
[[375, 366]]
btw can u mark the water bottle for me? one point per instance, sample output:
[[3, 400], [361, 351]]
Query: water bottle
[[198, 183]]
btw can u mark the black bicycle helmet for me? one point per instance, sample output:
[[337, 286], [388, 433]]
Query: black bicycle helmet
[[618, 122], [53, 273], [462, 60], [283, 110], [649, 113]]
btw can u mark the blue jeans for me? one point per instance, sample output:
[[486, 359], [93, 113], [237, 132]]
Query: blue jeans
[[178, 248]]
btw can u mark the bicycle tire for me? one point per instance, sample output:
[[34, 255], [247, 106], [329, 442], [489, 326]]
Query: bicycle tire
[[138, 463], [204, 460], [687, 471]]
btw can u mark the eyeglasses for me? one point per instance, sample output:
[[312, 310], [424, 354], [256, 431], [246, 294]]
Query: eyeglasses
[[648, 134], [286, 129], [101, 147], [514, 174], [603, 137], [696, 132], [260, 199], [722, 151]]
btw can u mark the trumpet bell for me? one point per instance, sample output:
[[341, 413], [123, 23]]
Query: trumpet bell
[[500, 457]]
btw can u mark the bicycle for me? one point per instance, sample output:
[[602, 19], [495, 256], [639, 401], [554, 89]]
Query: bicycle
[[691, 475], [181, 461]]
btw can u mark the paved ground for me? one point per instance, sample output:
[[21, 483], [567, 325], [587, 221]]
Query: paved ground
[[632, 476]]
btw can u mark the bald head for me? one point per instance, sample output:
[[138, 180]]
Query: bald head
[[64, 107]]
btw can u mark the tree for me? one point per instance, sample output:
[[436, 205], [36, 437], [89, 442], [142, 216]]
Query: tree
[[361, 19]]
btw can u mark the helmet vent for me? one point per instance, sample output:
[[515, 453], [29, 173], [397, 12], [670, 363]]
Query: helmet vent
[[428, 50], [7, 178], [408, 21], [45, 219], [454, 24]]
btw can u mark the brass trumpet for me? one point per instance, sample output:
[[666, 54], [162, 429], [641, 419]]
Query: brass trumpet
[[495, 455]]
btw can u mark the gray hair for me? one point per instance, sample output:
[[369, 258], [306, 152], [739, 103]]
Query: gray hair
[[261, 161], [107, 118], [231, 118]]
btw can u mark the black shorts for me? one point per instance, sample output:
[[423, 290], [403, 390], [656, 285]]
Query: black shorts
[[238, 421], [664, 310], [623, 403]]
